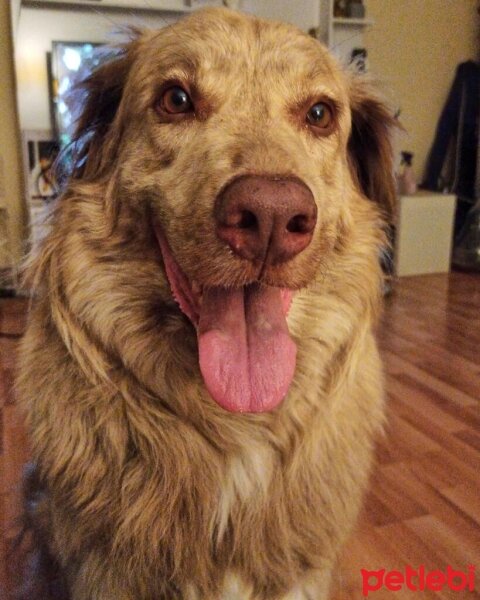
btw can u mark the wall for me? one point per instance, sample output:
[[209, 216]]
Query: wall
[[10, 166], [302, 13], [414, 47]]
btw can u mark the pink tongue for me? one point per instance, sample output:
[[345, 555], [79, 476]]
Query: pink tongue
[[247, 357]]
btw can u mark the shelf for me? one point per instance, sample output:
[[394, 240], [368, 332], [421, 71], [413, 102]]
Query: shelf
[[167, 6], [348, 21]]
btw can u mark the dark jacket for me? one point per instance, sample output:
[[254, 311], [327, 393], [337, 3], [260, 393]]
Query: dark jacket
[[457, 130]]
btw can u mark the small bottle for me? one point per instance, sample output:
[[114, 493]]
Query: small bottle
[[407, 184]]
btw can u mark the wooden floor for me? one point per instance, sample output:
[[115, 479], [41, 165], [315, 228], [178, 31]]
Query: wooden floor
[[424, 504]]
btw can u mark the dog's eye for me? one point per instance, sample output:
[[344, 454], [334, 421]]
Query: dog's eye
[[320, 116], [174, 101]]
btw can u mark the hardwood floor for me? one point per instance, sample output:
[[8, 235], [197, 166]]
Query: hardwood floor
[[424, 503]]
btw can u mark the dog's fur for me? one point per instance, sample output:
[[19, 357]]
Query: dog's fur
[[144, 488]]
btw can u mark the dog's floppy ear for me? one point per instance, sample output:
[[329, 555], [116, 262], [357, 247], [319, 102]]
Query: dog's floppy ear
[[370, 145], [97, 135]]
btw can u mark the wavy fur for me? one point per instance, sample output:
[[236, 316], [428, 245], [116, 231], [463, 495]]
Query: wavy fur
[[146, 489]]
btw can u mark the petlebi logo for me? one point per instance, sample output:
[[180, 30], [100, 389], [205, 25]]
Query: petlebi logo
[[418, 580]]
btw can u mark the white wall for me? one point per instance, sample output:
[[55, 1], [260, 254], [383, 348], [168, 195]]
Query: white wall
[[302, 13]]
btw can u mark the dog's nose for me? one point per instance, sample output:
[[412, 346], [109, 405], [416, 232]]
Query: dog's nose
[[267, 219]]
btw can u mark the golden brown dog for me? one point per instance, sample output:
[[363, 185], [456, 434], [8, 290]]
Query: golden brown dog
[[199, 372]]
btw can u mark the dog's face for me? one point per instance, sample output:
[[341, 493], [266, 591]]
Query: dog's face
[[237, 136]]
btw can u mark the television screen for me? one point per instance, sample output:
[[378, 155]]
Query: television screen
[[71, 62]]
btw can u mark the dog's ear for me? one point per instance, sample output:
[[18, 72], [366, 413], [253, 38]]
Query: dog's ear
[[370, 145], [98, 130]]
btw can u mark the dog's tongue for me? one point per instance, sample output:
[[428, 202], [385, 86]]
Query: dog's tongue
[[247, 357]]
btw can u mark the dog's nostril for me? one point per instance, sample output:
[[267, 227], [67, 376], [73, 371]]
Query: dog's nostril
[[241, 219], [247, 220], [299, 224]]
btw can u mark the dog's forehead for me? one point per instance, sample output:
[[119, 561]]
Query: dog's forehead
[[213, 41]]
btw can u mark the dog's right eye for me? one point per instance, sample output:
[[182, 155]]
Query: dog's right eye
[[320, 116], [174, 101]]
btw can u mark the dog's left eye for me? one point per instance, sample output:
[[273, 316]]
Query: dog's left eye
[[175, 101], [320, 116]]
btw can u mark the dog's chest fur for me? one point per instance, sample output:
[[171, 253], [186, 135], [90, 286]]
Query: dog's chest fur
[[247, 479], [257, 514]]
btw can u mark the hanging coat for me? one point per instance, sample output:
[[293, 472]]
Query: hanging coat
[[458, 125]]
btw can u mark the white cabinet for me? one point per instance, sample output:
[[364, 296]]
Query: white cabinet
[[424, 233]]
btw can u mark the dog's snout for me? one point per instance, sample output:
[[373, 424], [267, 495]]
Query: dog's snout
[[266, 219]]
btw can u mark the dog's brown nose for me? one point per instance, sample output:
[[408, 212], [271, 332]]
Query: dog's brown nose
[[266, 219]]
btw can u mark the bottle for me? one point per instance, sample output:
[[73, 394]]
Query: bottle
[[407, 184]]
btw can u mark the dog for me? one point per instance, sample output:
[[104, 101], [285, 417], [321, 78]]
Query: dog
[[199, 374]]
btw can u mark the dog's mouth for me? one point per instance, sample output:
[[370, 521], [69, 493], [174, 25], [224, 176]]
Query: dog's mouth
[[246, 354]]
